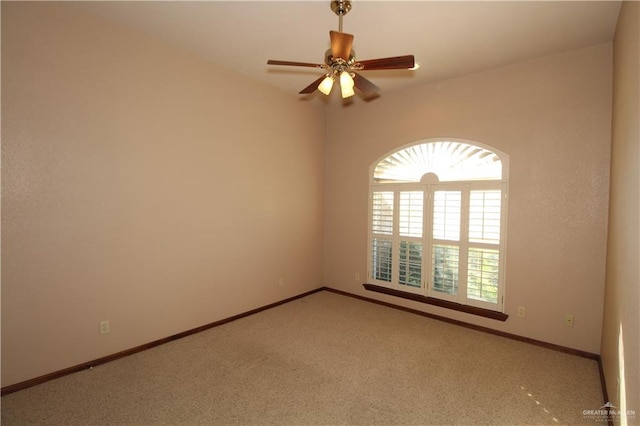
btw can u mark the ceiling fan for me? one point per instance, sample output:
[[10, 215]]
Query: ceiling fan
[[341, 64]]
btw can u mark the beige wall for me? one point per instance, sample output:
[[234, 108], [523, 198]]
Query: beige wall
[[134, 176], [621, 328], [553, 117], [143, 186]]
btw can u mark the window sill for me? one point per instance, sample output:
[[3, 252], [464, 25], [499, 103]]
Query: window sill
[[438, 302]]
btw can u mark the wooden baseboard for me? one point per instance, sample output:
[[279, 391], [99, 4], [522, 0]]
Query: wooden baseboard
[[605, 393], [541, 343], [472, 326], [90, 364]]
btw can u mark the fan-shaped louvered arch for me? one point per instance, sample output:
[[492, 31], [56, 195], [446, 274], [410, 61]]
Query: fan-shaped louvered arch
[[449, 160]]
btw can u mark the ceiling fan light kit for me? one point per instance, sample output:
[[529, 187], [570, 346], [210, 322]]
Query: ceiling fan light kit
[[346, 85], [341, 64], [326, 85]]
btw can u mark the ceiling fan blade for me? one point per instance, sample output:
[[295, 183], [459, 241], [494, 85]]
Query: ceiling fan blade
[[393, 63], [341, 44], [294, 64], [312, 87], [365, 86]]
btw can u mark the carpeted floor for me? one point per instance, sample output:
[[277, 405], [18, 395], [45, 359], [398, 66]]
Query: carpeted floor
[[325, 359]]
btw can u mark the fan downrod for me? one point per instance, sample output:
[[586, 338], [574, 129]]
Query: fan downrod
[[340, 8]]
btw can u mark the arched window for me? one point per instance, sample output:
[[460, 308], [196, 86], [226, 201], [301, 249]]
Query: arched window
[[437, 222]]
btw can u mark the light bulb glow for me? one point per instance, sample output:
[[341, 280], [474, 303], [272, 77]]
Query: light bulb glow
[[346, 85], [326, 85]]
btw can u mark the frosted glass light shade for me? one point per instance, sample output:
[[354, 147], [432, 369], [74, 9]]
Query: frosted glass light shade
[[326, 85], [346, 85]]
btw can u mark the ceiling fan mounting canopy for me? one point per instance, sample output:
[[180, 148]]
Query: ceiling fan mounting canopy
[[341, 7], [341, 64]]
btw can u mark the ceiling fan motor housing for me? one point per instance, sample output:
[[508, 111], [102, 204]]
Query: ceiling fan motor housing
[[330, 60]]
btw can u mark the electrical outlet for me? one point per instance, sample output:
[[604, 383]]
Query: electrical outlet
[[568, 320], [357, 277], [104, 327], [281, 282], [521, 311]]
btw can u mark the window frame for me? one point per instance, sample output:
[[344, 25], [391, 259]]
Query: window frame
[[428, 185]]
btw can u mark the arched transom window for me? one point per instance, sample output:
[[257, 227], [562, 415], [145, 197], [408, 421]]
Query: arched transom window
[[437, 222], [448, 160]]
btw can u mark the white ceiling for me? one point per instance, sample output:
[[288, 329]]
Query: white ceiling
[[448, 38]]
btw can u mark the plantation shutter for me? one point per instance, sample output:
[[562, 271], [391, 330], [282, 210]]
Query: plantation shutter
[[483, 270], [411, 221], [437, 222], [445, 245], [382, 241]]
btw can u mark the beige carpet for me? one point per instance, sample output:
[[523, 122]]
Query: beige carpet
[[325, 359]]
